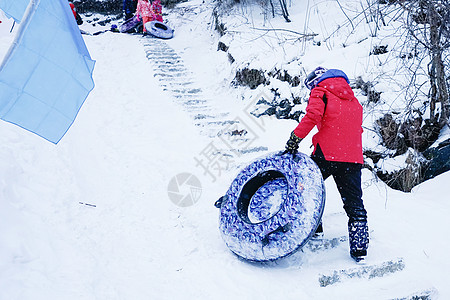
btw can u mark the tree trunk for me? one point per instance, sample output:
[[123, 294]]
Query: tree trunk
[[437, 74]]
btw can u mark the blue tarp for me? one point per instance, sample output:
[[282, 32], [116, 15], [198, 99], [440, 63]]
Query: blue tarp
[[47, 74], [14, 9]]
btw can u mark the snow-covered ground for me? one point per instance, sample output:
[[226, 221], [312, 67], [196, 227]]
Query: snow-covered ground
[[91, 217]]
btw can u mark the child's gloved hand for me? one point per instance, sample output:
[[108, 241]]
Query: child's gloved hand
[[292, 143]]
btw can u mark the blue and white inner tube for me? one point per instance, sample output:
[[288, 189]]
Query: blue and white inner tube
[[159, 30], [273, 207]]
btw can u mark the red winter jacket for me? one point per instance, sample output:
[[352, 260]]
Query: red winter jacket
[[339, 121], [150, 9], [72, 6], [144, 9]]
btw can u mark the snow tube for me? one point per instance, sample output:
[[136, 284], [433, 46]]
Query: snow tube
[[159, 30], [130, 25], [272, 207]]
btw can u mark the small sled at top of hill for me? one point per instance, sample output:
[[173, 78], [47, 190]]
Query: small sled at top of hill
[[159, 30], [130, 26]]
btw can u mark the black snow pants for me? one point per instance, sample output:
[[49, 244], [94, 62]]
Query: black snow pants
[[348, 181]]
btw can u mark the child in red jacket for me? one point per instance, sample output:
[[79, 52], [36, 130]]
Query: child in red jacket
[[333, 108]]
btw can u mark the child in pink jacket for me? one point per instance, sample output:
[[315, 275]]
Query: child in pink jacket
[[157, 10], [144, 11], [149, 11]]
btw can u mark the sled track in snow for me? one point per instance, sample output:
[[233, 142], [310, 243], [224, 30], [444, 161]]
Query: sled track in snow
[[176, 79]]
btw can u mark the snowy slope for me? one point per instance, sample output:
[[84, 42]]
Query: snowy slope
[[90, 218]]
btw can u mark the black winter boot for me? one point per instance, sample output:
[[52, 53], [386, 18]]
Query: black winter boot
[[358, 232], [319, 231]]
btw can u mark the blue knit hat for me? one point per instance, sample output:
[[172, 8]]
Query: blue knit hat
[[313, 78]]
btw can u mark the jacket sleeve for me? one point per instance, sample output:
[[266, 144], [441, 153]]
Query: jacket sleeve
[[314, 113], [138, 9]]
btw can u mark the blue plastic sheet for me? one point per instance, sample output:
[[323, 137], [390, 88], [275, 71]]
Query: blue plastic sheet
[[14, 8], [47, 74]]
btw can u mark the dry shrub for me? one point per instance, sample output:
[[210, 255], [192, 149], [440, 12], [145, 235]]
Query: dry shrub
[[414, 133], [389, 131], [405, 179], [250, 77], [368, 90]]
